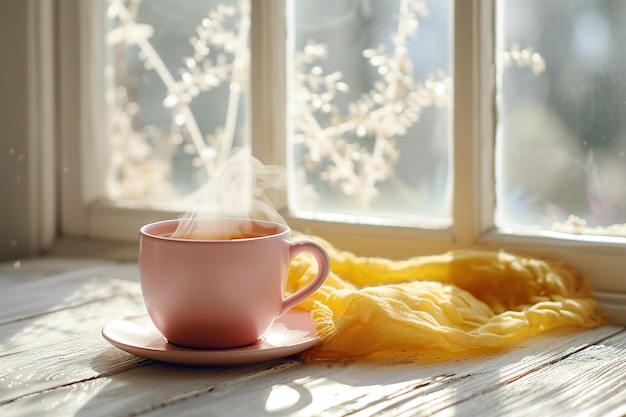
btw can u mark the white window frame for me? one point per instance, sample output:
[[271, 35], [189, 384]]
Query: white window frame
[[82, 215]]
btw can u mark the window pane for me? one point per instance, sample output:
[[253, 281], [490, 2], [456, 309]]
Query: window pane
[[178, 81], [370, 110], [561, 139]]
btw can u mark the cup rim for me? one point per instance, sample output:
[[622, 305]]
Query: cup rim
[[281, 229]]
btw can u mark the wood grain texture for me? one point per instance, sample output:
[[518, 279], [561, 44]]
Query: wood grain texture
[[53, 361], [589, 382]]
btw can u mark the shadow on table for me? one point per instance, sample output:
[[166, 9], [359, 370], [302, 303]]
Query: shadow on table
[[131, 385], [279, 388]]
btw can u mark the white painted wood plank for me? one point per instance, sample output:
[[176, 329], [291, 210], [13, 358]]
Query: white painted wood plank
[[339, 388], [63, 326], [69, 289], [89, 309], [138, 391], [53, 361], [45, 343], [476, 382], [31, 269], [62, 348], [591, 382], [367, 389]]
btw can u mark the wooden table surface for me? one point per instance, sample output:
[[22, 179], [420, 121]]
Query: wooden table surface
[[54, 362]]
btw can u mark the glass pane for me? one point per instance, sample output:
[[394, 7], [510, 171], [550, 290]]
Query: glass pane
[[561, 139], [177, 91], [369, 111]]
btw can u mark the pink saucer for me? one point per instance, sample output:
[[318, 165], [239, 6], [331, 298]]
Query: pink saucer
[[293, 333]]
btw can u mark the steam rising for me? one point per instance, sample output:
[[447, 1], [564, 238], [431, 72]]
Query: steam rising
[[236, 189]]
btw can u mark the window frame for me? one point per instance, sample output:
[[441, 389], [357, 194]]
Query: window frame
[[83, 215]]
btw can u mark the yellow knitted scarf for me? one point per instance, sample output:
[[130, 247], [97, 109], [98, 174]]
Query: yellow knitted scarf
[[435, 307]]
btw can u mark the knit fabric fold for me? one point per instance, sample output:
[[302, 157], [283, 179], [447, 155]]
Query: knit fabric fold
[[438, 306]]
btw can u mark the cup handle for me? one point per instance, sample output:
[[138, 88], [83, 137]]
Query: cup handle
[[323, 263]]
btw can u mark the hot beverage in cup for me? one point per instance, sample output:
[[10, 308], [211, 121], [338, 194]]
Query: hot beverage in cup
[[218, 283]]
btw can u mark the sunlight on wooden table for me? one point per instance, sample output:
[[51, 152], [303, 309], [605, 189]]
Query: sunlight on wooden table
[[55, 362]]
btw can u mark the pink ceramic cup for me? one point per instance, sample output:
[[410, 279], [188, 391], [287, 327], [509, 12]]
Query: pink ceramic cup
[[222, 292]]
